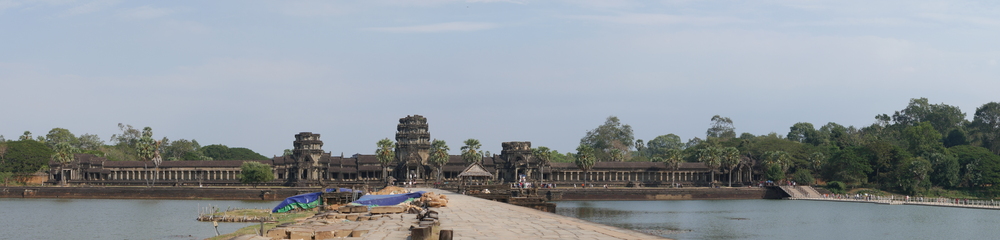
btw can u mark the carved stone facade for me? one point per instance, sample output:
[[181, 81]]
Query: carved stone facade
[[413, 146], [310, 165]]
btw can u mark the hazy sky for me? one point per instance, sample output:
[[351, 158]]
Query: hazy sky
[[254, 73]]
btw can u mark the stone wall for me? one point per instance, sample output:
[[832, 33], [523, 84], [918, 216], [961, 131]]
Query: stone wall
[[152, 193], [656, 194]]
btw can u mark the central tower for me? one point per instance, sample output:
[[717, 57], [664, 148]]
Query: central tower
[[413, 145]]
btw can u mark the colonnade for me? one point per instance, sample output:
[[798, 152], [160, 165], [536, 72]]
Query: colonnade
[[148, 174], [607, 176]]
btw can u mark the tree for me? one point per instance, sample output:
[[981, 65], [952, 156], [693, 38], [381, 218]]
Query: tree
[[663, 143], [255, 173], [59, 135], [223, 152], [803, 176], [27, 156], [385, 155], [923, 139], [585, 160], [817, 160], [63, 154], [986, 124], [848, 166], [712, 157], [543, 154], [730, 159], [287, 152], [946, 170], [148, 150], [673, 158], [184, 149], [779, 159], [439, 156], [980, 167], [912, 175], [89, 142], [5, 177], [610, 135], [25, 136], [942, 117], [722, 127], [470, 152]]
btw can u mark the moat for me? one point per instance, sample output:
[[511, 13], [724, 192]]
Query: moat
[[786, 219], [677, 219]]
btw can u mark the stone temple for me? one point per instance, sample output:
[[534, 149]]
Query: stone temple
[[310, 165]]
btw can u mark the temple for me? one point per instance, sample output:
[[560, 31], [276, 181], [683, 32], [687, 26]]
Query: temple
[[310, 165]]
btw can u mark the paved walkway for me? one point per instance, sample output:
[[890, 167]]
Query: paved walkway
[[979, 204], [476, 218]]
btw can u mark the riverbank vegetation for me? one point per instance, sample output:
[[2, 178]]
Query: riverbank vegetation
[[280, 218], [29, 154], [922, 149]]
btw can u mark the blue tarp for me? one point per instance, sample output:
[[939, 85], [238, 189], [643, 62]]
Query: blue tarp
[[386, 200], [303, 201]]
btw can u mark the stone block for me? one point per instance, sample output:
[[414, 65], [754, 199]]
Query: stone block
[[359, 233], [325, 234], [388, 209], [277, 233], [300, 233], [359, 209], [343, 232], [345, 209]]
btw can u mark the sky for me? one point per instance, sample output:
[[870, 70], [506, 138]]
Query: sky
[[254, 73]]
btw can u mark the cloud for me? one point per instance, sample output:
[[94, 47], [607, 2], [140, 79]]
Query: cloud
[[145, 12], [89, 7], [438, 27], [659, 19]]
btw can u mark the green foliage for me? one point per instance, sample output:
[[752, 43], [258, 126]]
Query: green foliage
[[803, 177], [384, 151], [941, 117], [470, 152], [849, 166], [663, 143], [722, 127], [6, 177], [922, 139], [183, 149], [836, 187], [979, 167], [255, 173], [543, 154], [26, 156], [773, 173], [611, 140], [222, 152], [986, 124], [439, 155]]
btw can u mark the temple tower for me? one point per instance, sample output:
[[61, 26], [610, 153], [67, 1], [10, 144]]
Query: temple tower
[[413, 144], [517, 160], [307, 151]]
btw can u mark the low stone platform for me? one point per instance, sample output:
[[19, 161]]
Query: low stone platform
[[475, 218]]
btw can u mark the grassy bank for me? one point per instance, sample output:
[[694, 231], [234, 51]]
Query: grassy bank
[[279, 217]]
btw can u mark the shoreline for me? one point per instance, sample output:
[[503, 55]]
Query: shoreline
[[978, 204], [277, 194]]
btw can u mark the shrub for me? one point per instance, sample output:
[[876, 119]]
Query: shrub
[[836, 187]]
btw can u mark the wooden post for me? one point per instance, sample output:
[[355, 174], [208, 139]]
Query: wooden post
[[446, 234]]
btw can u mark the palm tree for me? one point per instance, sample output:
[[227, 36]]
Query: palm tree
[[778, 158], [816, 160], [585, 160], [711, 156], [149, 150], [470, 152], [385, 155], [544, 155], [673, 158], [439, 156], [63, 154], [730, 160]]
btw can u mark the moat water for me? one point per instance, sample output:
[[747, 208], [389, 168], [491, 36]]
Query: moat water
[[691, 219], [113, 218], [787, 219]]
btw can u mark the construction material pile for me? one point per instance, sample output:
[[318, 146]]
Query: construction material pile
[[389, 191], [432, 199]]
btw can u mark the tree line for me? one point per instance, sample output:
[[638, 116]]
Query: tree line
[[30, 154], [924, 148]]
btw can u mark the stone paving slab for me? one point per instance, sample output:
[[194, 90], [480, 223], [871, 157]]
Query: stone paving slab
[[476, 218]]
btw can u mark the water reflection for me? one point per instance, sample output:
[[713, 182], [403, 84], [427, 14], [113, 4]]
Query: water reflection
[[783, 219]]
